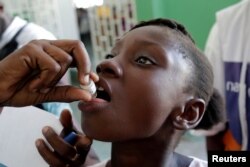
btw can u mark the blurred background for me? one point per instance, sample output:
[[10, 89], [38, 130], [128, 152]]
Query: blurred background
[[99, 22]]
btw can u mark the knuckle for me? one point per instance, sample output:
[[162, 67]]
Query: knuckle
[[35, 42], [55, 68], [78, 43], [38, 43], [67, 59], [57, 163], [66, 153], [30, 46]]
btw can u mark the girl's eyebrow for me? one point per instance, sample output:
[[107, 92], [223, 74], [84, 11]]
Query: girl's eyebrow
[[117, 44]]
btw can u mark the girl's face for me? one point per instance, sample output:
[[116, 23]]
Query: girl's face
[[141, 82]]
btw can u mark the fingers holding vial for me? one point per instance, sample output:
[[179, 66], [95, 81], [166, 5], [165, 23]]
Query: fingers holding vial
[[90, 87], [68, 151]]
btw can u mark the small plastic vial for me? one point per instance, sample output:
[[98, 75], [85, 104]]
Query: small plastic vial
[[91, 88]]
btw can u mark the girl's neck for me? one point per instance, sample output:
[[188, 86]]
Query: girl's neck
[[155, 151]]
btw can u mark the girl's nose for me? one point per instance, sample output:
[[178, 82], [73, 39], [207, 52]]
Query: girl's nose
[[109, 68]]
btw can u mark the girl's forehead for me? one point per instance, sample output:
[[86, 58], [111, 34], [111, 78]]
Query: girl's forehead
[[151, 31], [146, 35]]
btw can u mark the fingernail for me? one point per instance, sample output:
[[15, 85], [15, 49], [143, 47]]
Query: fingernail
[[44, 90], [45, 130], [38, 143], [86, 79], [87, 97], [90, 97], [34, 90]]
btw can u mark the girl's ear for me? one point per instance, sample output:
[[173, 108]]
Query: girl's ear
[[190, 115]]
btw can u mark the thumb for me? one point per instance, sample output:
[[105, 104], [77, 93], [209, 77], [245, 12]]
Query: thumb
[[66, 119], [67, 94]]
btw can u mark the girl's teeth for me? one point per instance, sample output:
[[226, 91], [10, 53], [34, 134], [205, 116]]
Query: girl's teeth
[[100, 89]]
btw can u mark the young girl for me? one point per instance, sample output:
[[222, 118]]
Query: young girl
[[154, 85]]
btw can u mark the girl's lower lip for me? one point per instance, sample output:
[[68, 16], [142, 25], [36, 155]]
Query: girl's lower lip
[[94, 104], [97, 100]]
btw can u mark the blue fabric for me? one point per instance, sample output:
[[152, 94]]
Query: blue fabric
[[232, 77], [1, 165], [56, 108]]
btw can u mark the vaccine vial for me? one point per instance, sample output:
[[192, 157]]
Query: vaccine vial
[[91, 88]]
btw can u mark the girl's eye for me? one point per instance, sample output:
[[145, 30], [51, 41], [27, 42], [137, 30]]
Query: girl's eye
[[144, 60], [109, 56]]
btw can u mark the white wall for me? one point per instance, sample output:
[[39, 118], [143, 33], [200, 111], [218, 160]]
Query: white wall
[[57, 16], [68, 20]]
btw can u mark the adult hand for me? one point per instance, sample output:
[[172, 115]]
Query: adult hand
[[63, 153], [29, 75]]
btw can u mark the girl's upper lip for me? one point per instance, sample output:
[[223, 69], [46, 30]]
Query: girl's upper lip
[[105, 85]]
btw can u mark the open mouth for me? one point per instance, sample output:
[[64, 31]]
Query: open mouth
[[102, 94]]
